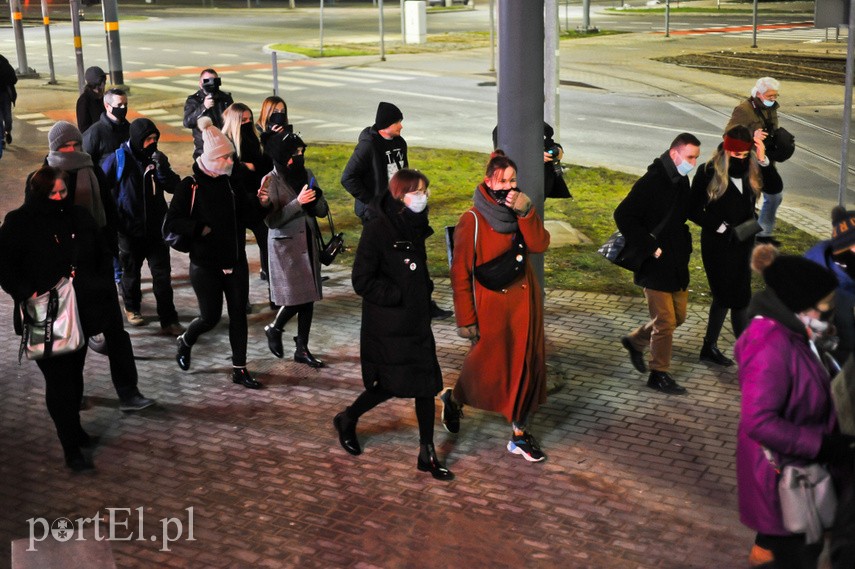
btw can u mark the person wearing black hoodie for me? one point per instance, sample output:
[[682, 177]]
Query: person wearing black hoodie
[[213, 213], [139, 174], [44, 240]]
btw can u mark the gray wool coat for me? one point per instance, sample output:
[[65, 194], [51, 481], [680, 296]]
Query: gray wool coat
[[295, 270]]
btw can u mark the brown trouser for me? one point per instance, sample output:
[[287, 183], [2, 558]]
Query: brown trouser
[[667, 311]]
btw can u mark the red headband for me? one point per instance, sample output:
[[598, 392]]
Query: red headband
[[736, 145]]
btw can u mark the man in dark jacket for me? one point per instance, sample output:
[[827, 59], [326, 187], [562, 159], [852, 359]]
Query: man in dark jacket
[[111, 130], [8, 96], [208, 101], [652, 219], [139, 174], [380, 152]]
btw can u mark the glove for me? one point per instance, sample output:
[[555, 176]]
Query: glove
[[521, 205], [469, 332], [161, 162], [837, 448]]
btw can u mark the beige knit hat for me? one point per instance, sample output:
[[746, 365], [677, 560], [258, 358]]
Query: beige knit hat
[[215, 143]]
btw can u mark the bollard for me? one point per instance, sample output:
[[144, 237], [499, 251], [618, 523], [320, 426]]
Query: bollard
[[46, 20], [275, 66], [114, 48], [74, 6], [18, 25]]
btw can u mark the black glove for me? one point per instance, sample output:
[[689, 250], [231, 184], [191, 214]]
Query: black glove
[[837, 448], [161, 162]]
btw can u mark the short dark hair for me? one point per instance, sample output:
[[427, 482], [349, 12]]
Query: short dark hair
[[406, 181], [209, 70], [683, 139], [40, 182], [115, 91]]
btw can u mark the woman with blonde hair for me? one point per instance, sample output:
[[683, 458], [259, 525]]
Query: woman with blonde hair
[[251, 165], [723, 196]]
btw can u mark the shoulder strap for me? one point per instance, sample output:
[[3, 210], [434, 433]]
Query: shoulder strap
[[661, 225], [120, 162], [759, 112], [474, 249], [193, 187]]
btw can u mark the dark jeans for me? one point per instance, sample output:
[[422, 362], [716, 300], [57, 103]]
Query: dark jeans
[[63, 390], [210, 285], [132, 253], [5, 112], [425, 410], [790, 551], [120, 352]]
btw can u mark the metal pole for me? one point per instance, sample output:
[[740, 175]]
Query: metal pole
[[382, 32], [18, 25], [520, 101], [847, 106], [403, 38], [275, 66], [322, 28], [551, 80], [46, 20], [493, 35], [754, 26], [586, 15], [74, 6], [667, 18], [114, 46]]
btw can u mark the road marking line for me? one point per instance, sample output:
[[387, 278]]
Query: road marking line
[[158, 87], [29, 116], [154, 112], [425, 95]]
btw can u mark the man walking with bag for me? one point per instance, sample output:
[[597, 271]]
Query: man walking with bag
[[652, 218]]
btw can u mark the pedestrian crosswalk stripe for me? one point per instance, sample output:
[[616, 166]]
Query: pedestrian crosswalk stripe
[[305, 79], [397, 74], [29, 116], [153, 112], [343, 75], [158, 87]]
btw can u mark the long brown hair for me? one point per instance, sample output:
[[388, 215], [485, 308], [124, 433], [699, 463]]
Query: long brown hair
[[267, 107]]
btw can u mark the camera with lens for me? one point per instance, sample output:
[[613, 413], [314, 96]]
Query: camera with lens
[[211, 85], [554, 151]]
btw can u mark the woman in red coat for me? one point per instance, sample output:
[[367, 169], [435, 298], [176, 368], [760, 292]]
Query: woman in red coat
[[505, 370]]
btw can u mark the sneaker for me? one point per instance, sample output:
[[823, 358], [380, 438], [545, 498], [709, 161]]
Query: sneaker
[[527, 447], [134, 318], [173, 329], [451, 412], [8, 138], [135, 403]]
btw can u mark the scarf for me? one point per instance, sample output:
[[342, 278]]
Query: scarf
[[413, 227], [501, 218]]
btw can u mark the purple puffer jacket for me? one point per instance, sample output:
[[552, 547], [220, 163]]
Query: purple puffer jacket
[[786, 407]]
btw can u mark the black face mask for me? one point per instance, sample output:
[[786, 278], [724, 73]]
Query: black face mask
[[737, 167], [119, 112], [247, 131], [149, 150], [500, 196], [297, 163]]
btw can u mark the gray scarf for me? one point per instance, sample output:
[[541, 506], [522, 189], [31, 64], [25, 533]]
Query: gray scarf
[[501, 218]]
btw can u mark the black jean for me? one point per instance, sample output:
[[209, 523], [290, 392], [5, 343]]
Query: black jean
[[63, 390], [210, 285], [425, 410], [790, 551], [120, 352], [133, 252]]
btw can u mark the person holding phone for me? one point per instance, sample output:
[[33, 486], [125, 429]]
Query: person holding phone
[[273, 115], [293, 199]]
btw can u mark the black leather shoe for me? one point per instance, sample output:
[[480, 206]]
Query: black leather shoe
[[242, 376], [85, 440], [79, 463], [451, 412], [661, 381], [304, 356], [636, 357], [182, 356], [710, 353], [437, 313], [428, 462], [274, 340], [347, 434]]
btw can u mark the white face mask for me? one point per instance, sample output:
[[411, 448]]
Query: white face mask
[[417, 202]]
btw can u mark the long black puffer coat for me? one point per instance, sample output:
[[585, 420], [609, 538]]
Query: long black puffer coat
[[390, 273]]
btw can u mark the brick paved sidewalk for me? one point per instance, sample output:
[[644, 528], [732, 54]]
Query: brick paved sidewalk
[[634, 478]]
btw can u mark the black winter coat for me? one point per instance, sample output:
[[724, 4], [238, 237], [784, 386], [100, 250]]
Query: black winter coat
[[649, 201], [104, 137], [726, 259], [40, 242], [194, 109], [366, 175], [390, 273], [218, 205]]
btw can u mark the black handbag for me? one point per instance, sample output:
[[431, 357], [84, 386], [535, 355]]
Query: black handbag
[[780, 145], [630, 257], [499, 273], [328, 250], [747, 229], [179, 241]]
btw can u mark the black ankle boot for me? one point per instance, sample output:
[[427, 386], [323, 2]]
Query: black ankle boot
[[303, 355], [346, 429], [182, 356], [242, 376], [711, 353], [274, 340], [428, 462]]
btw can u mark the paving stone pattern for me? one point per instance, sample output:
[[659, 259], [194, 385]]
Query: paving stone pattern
[[634, 478]]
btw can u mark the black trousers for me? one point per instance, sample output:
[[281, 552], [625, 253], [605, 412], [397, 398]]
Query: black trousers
[[425, 410], [304, 314], [120, 352], [63, 390], [790, 551], [210, 285], [133, 252]]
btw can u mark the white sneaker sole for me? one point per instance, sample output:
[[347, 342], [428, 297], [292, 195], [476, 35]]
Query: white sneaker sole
[[514, 449]]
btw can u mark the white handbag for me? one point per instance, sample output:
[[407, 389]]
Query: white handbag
[[51, 323], [808, 500]]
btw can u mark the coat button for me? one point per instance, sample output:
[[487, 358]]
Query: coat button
[[524, 286]]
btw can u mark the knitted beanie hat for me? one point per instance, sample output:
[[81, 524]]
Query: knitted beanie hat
[[94, 75], [387, 115], [62, 133], [214, 143], [798, 282], [842, 230]]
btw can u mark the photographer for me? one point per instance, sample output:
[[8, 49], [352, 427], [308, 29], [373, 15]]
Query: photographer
[[554, 185], [208, 101]]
